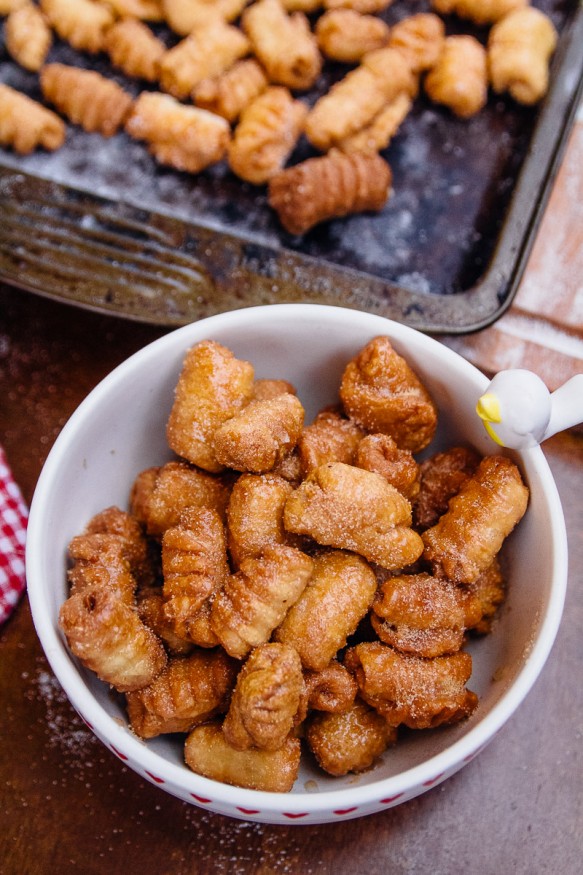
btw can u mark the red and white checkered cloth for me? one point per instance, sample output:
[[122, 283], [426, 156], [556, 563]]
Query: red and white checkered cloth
[[13, 520]]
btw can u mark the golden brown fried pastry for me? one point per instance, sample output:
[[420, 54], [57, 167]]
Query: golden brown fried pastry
[[8, 6], [302, 5], [283, 44], [159, 495], [377, 135], [207, 752], [420, 39], [355, 100], [261, 435], [230, 93], [266, 699], [256, 598], [333, 186], [213, 386], [184, 137], [150, 605], [107, 635], [482, 598], [421, 693], [349, 508], [207, 51], [183, 17], [382, 393], [82, 24], [25, 125], [479, 11], [420, 614], [520, 47], [266, 389], [114, 521], [465, 540], [27, 36], [100, 561], [339, 594], [145, 10], [332, 689], [266, 135], [255, 515], [459, 77], [345, 35], [190, 690], [365, 7], [331, 437], [86, 98], [349, 741], [442, 476], [380, 453], [194, 565], [134, 48], [200, 629]]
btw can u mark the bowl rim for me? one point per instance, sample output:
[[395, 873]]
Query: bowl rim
[[407, 783]]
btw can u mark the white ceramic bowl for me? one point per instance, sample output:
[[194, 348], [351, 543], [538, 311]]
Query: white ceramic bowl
[[120, 429]]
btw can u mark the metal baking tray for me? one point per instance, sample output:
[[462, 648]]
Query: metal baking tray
[[98, 224]]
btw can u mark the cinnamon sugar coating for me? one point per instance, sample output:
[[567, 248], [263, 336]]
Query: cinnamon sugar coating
[[331, 689], [254, 600], [114, 521], [331, 437], [207, 752], [420, 693], [382, 393], [442, 476], [255, 515], [190, 690], [465, 540], [349, 741], [266, 699], [159, 495], [100, 561], [420, 614], [213, 386], [260, 435], [349, 508], [380, 453], [194, 565], [338, 595], [107, 635]]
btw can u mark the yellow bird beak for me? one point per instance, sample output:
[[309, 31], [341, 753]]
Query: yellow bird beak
[[488, 408]]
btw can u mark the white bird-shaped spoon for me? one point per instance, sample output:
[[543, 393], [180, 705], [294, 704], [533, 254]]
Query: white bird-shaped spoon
[[518, 411]]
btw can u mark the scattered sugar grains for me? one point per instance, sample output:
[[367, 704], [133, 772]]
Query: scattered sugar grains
[[64, 730]]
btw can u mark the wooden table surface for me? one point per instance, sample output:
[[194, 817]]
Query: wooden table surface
[[67, 805]]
